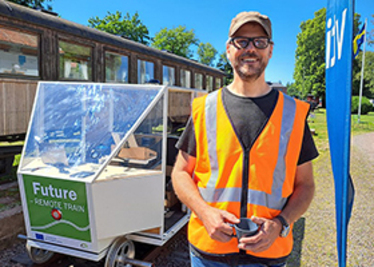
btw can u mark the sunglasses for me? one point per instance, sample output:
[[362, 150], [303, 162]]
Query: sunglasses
[[243, 42]]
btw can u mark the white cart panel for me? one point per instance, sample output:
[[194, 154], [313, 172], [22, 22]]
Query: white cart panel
[[128, 204]]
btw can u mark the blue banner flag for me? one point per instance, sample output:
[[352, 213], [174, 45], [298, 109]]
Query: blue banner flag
[[359, 40], [339, 36]]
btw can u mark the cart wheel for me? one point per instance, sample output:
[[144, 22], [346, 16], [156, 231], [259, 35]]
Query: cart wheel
[[38, 255], [121, 249]]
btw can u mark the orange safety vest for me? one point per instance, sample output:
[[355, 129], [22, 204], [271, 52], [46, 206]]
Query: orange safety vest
[[268, 168]]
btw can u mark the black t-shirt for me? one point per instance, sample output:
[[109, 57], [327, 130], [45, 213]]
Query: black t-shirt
[[240, 110]]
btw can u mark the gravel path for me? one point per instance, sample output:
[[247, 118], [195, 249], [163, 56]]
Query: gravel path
[[365, 144]]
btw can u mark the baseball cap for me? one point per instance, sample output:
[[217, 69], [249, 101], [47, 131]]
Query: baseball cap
[[251, 16]]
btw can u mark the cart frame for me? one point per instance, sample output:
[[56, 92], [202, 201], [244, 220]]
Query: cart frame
[[103, 240]]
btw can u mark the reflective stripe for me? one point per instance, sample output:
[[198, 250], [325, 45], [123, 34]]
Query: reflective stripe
[[211, 132], [289, 111], [213, 195], [272, 201], [267, 200]]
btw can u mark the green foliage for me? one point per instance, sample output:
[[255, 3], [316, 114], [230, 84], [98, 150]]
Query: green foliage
[[224, 65], [292, 90], [366, 106], [309, 73], [206, 53], [126, 26], [368, 81], [177, 41], [33, 3], [371, 33]]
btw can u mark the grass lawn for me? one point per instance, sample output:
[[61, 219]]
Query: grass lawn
[[318, 123]]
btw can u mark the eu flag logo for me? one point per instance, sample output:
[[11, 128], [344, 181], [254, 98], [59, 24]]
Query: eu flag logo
[[39, 236]]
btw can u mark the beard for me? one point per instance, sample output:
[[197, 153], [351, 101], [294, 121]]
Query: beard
[[250, 72]]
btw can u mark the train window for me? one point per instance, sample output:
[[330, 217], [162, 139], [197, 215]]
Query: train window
[[198, 81], [75, 61], [218, 83], [185, 78], [209, 83], [145, 71], [168, 76], [18, 53], [116, 68]]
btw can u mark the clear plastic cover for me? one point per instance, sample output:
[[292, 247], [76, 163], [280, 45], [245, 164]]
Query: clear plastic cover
[[75, 126]]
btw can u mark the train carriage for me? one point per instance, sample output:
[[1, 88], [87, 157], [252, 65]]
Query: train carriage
[[40, 46]]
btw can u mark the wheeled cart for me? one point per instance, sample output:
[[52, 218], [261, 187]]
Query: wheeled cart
[[95, 169]]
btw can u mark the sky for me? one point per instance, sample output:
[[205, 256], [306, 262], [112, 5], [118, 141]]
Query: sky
[[210, 20]]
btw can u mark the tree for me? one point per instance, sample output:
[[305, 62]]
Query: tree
[[309, 73], [224, 65], [291, 90], [368, 82], [33, 3], [206, 53], [127, 26], [371, 34], [177, 41]]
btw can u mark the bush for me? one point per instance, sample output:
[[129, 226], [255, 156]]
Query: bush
[[366, 106]]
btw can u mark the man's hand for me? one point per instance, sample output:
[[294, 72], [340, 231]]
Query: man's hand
[[216, 223], [268, 232]]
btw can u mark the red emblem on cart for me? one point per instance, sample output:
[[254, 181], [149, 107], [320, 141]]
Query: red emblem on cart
[[56, 214]]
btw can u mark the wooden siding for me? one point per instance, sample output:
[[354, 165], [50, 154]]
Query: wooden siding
[[16, 101]]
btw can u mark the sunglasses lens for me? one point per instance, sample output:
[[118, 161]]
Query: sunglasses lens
[[261, 42], [243, 42]]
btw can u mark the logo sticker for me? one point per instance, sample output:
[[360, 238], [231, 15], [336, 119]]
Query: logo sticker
[[56, 214]]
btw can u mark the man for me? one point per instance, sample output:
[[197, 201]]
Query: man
[[246, 152]]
